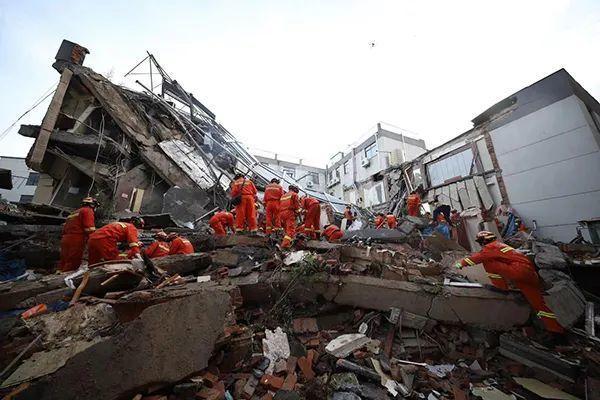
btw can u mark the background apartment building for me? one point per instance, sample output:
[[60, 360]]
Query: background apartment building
[[355, 176], [24, 180], [307, 176]]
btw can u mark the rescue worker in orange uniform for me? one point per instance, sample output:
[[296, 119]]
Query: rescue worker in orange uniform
[[503, 263], [391, 221], [289, 207], [273, 193], [348, 215], [103, 243], [245, 216], [312, 216], [413, 204], [332, 233], [379, 221], [159, 248], [221, 222], [75, 233], [179, 244]]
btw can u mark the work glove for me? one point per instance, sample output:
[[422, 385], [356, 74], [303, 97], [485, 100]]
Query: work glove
[[458, 265]]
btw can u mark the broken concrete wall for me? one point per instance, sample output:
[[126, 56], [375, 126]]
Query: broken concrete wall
[[166, 342]]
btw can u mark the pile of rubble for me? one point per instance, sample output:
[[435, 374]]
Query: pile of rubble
[[366, 319]]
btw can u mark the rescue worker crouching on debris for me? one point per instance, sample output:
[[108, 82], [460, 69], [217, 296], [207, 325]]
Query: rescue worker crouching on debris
[[243, 197], [312, 216], [77, 228], [332, 233], [221, 222], [413, 203], [290, 206], [179, 244], [159, 248], [503, 263], [379, 221], [391, 221], [273, 194], [103, 243]]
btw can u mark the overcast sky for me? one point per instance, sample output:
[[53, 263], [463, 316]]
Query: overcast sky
[[300, 78]]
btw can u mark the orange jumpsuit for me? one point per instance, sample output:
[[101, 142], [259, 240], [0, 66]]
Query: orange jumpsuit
[[181, 245], [503, 263], [379, 222], [245, 212], [312, 219], [349, 216], [289, 206], [157, 249], [273, 193], [220, 221], [74, 235], [391, 220], [102, 244], [332, 233], [413, 203]]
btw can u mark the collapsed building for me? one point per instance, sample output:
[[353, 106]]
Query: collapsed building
[[381, 315]]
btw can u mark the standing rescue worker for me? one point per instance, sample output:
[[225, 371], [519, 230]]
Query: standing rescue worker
[[243, 196], [312, 216], [391, 221], [379, 221], [159, 248], [289, 207], [348, 215], [273, 193], [503, 263], [179, 244], [103, 243], [332, 233], [413, 204], [220, 222], [75, 234]]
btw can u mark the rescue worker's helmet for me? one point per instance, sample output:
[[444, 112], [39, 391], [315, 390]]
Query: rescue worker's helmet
[[160, 235], [238, 176], [485, 237], [275, 180], [138, 222], [89, 201], [172, 236], [294, 188]]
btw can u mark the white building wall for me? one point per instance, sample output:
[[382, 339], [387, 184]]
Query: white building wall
[[20, 174], [550, 163]]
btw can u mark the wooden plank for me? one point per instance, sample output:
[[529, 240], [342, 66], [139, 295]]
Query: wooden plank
[[472, 190], [483, 191], [41, 143]]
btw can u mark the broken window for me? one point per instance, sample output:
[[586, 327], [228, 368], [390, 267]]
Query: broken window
[[457, 165], [371, 151], [289, 172], [32, 179], [313, 177]]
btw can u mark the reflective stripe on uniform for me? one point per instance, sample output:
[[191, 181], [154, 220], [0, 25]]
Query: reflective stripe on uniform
[[73, 215], [163, 248], [469, 261], [89, 229], [286, 197], [495, 276], [286, 237], [506, 249], [134, 245], [545, 314], [122, 224]]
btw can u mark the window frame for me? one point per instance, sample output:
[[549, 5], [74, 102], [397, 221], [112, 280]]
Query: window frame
[[372, 146], [33, 176], [450, 154]]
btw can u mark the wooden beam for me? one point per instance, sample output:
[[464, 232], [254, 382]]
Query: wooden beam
[[49, 121]]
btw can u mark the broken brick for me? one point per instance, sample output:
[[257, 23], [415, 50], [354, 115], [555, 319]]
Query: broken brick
[[305, 325], [290, 382], [272, 382], [305, 365]]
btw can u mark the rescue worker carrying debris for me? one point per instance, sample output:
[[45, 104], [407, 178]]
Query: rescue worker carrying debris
[[221, 221], [312, 216], [379, 221], [159, 248], [103, 243], [273, 193], [243, 197], [413, 204], [179, 244], [503, 263], [75, 234], [391, 221], [289, 207], [332, 233]]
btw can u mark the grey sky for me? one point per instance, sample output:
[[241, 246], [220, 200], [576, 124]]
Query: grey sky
[[299, 78]]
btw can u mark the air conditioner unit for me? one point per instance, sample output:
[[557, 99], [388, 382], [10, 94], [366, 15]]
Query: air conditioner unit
[[309, 184], [365, 162]]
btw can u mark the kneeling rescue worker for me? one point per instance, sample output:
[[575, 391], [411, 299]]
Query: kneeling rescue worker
[[179, 244], [75, 234], [220, 222], [160, 247], [503, 263], [103, 243], [332, 233]]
